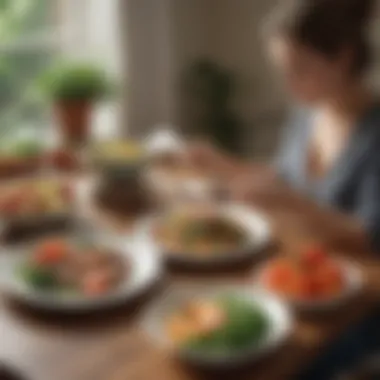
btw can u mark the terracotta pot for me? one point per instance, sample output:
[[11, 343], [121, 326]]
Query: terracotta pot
[[74, 118]]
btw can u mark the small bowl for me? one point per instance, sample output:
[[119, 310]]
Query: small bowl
[[276, 312], [353, 279], [255, 225]]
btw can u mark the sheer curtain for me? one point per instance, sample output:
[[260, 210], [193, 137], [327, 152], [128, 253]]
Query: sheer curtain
[[90, 31]]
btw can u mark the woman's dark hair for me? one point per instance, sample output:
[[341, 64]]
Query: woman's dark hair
[[327, 26]]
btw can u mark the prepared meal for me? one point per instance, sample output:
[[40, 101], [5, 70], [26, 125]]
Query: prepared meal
[[60, 265], [221, 325], [313, 275], [199, 233], [34, 198]]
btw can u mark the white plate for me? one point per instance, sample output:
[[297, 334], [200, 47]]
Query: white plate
[[145, 270], [66, 213], [255, 225], [354, 282], [277, 313]]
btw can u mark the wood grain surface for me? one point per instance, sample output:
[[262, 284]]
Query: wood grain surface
[[111, 345]]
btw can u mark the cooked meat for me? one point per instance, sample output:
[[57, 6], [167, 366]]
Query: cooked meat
[[89, 269], [200, 234]]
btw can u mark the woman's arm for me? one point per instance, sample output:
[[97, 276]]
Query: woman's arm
[[337, 229], [259, 184]]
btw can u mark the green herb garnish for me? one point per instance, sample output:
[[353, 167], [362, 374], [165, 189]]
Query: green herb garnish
[[38, 278]]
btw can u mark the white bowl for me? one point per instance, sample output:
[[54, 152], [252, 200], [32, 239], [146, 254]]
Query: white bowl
[[353, 279], [277, 313], [255, 225], [144, 271]]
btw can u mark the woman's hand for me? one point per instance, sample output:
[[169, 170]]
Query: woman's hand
[[207, 158], [258, 184]]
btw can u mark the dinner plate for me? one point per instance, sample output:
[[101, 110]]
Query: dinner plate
[[277, 313], [255, 225], [354, 283], [144, 271], [36, 218]]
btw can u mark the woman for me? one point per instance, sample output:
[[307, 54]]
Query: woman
[[331, 151], [330, 155]]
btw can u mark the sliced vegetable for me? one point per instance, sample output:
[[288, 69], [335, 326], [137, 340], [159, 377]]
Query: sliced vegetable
[[51, 252], [222, 326], [67, 266], [96, 283], [39, 278], [312, 275]]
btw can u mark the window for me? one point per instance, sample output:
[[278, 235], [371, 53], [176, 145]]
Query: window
[[26, 49], [34, 33]]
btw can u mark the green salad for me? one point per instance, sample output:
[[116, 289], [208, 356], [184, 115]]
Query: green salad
[[223, 326]]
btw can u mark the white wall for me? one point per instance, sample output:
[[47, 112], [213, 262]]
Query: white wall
[[165, 36], [228, 32], [150, 61]]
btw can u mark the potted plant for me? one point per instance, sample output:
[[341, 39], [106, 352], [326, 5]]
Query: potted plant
[[208, 91], [73, 89]]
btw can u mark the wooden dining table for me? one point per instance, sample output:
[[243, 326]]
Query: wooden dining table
[[111, 345]]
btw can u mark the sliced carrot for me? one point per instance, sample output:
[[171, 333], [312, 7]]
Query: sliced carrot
[[96, 283], [207, 316]]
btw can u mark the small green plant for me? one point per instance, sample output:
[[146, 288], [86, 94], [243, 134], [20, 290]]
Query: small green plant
[[208, 91], [76, 82]]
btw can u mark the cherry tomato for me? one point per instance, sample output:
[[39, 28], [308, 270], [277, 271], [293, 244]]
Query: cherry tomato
[[51, 252], [280, 276], [310, 288], [331, 279], [313, 257]]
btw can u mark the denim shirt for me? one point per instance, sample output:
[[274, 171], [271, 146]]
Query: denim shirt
[[353, 183]]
